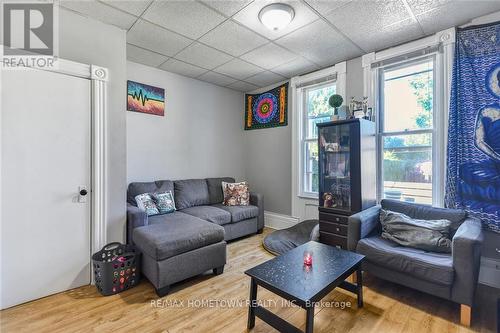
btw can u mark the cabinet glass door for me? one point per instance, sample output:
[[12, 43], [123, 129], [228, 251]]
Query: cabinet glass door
[[335, 171]]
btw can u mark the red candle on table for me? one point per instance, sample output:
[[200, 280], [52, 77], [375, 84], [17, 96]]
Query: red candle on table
[[308, 258]]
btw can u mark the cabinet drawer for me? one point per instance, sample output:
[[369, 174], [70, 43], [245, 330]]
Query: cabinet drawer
[[332, 239], [489, 274], [333, 218], [334, 228]]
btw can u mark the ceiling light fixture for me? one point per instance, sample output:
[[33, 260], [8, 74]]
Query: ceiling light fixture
[[276, 16]]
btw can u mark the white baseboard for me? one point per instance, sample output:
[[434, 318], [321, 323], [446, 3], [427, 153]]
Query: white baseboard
[[489, 273], [279, 221]]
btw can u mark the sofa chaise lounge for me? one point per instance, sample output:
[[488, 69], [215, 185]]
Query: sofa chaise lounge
[[192, 239]]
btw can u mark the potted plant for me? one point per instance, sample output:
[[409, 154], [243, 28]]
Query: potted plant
[[335, 101]]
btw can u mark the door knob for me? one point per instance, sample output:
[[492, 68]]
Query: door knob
[[82, 193]]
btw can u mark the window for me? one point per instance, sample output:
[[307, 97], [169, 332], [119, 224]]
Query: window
[[406, 131], [316, 110]]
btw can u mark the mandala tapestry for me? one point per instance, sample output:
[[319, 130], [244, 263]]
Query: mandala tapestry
[[268, 109], [473, 169]]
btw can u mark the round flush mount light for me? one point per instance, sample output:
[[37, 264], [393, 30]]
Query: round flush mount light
[[276, 16]]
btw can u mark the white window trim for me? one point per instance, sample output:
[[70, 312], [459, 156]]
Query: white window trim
[[445, 40], [304, 140], [297, 123]]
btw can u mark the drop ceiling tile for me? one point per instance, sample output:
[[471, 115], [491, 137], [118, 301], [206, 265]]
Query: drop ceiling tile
[[189, 18], [249, 16], [101, 12], [388, 36], [454, 14], [320, 43], [421, 6], [227, 7], [144, 57], [216, 78], [269, 56], [233, 38], [135, 7], [203, 56], [326, 6], [359, 17], [242, 86], [238, 69], [157, 39], [265, 78], [295, 67], [182, 68]]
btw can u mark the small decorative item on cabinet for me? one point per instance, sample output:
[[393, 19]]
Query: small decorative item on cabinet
[[335, 101]]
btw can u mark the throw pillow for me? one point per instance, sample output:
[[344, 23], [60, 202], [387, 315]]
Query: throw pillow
[[164, 202], [145, 202], [428, 235], [236, 194]]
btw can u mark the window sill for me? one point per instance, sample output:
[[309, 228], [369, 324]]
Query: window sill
[[308, 196]]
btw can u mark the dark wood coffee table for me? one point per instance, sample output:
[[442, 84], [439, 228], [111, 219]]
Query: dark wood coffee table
[[287, 277]]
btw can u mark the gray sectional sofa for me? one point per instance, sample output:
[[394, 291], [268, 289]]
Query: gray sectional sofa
[[192, 239]]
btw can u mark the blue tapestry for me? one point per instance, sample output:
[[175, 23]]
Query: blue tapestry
[[473, 169]]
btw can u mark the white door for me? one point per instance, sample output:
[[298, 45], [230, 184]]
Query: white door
[[45, 158]]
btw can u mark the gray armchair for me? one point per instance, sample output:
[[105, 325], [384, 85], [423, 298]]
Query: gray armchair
[[450, 276]]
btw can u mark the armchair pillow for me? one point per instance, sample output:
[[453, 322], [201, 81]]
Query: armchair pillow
[[146, 203], [428, 235], [164, 202], [236, 194]]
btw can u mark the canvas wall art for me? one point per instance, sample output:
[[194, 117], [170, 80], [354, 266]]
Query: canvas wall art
[[268, 109], [145, 98]]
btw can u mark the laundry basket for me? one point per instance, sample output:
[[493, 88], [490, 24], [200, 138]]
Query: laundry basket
[[116, 268]]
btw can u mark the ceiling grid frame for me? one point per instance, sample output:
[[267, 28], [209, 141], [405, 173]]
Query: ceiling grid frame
[[415, 21]]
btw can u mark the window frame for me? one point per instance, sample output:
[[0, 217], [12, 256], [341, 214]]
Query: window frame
[[305, 138], [437, 131], [306, 207]]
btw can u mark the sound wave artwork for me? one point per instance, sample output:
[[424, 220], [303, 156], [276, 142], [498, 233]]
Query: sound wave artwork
[[146, 99]]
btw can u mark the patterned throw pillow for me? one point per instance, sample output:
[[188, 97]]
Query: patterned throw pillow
[[145, 202], [164, 202], [236, 194]]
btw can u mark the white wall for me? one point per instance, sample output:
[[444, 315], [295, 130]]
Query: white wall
[[91, 42], [267, 160], [354, 80], [200, 135]]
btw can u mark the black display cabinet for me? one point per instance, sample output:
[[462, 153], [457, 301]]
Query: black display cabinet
[[347, 175]]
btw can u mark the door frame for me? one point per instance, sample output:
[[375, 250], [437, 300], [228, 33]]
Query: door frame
[[98, 77]]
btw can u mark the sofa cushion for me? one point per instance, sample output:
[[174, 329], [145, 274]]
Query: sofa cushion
[[215, 189], [190, 192], [429, 266], [428, 235], [425, 212], [164, 202], [146, 203], [135, 189], [210, 214], [240, 213], [236, 194], [175, 233]]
